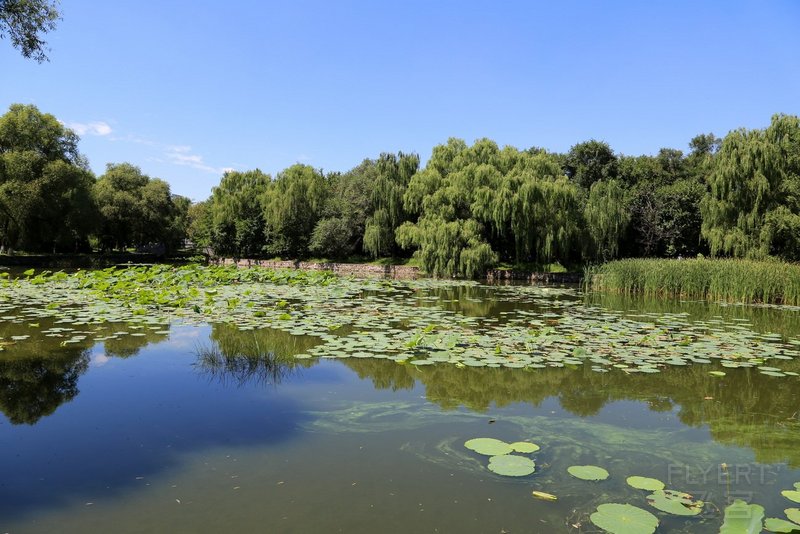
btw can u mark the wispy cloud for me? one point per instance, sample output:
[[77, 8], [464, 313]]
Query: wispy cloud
[[90, 128], [183, 155]]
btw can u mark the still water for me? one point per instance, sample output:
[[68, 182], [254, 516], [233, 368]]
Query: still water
[[208, 428]]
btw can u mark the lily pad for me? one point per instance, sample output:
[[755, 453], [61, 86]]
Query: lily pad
[[717, 373], [773, 524], [645, 483], [489, 446], [743, 518], [792, 495], [793, 514], [524, 447], [624, 519], [675, 502], [511, 465], [588, 472]]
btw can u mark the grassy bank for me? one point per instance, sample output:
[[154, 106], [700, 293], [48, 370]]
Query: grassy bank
[[769, 281]]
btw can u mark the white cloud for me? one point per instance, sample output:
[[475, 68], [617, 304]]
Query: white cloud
[[182, 155], [91, 128]]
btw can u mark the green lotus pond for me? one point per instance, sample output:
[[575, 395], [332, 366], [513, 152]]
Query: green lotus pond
[[205, 399]]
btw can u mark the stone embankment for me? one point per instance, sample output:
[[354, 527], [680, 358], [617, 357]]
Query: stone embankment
[[399, 271], [355, 269]]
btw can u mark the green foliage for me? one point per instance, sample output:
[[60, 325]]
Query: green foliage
[[607, 216], [448, 248], [715, 279], [235, 214], [26, 22], [479, 204], [292, 205], [754, 192], [339, 232], [45, 187], [394, 173], [590, 162], [137, 210]]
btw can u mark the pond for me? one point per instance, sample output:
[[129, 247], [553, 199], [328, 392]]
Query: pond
[[208, 400]]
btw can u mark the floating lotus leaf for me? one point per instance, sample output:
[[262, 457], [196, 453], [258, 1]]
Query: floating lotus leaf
[[793, 514], [792, 495], [624, 519], [524, 447], [717, 373], [489, 446], [773, 524], [645, 483], [588, 472], [511, 465], [675, 502], [743, 518]]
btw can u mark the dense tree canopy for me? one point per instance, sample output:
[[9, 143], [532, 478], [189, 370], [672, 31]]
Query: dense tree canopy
[[753, 205], [45, 185], [292, 205], [235, 215], [136, 210], [471, 207], [25, 22]]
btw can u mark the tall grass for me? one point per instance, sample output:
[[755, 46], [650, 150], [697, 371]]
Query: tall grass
[[731, 280]]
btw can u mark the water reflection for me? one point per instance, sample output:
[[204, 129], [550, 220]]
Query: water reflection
[[258, 357], [744, 408], [34, 387], [40, 373]]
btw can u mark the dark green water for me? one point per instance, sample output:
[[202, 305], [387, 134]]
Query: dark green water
[[213, 429]]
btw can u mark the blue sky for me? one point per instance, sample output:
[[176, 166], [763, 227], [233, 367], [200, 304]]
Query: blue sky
[[185, 89]]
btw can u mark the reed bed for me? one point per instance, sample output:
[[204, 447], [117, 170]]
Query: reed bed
[[731, 280]]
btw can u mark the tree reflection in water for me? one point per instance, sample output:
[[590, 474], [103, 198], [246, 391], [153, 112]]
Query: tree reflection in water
[[251, 357]]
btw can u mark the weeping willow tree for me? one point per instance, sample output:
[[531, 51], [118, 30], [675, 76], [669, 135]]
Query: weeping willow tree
[[607, 217], [450, 241], [448, 248], [753, 202], [394, 174], [534, 208], [235, 214], [292, 205]]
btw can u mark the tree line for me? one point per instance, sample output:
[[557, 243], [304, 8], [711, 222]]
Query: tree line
[[50, 201], [470, 207]]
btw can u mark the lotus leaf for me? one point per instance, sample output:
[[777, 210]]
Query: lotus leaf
[[588, 472], [773, 524], [645, 483], [624, 519], [489, 446], [792, 495], [511, 465], [675, 502], [743, 518], [524, 447], [793, 514]]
